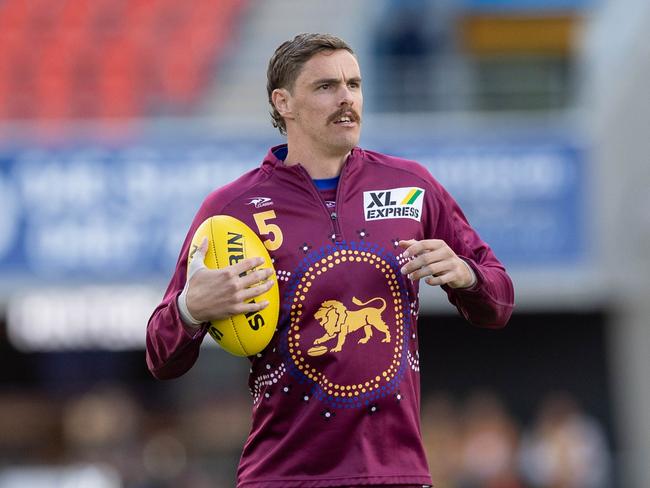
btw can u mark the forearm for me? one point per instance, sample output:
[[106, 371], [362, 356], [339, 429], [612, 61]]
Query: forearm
[[172, 347]]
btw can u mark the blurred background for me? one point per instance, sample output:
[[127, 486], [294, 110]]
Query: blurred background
[[117, 117]]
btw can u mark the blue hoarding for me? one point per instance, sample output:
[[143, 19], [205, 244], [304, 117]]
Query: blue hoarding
[[526, 201]]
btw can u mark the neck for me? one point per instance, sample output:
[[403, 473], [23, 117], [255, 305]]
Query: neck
[[319, 165]]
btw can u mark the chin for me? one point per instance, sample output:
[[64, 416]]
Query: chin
[[347, 144]]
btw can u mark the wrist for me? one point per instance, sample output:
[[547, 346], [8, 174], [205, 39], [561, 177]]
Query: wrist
[[184, 311], [472, 276]]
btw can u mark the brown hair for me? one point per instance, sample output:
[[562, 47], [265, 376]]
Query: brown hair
[[288, 60]]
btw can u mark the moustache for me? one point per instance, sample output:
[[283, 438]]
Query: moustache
[[354, 116]]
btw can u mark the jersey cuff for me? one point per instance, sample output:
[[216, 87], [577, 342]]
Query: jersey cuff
[[184, 312]]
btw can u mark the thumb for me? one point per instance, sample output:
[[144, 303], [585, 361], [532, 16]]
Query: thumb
[[406, 244], [197, 258]]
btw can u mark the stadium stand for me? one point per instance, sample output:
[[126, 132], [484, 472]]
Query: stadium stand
[[85, 59]]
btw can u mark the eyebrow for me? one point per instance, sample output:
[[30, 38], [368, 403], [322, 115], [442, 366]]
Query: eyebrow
[[335, 81]]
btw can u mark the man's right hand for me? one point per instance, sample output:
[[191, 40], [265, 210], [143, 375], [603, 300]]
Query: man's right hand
[[215, 294]]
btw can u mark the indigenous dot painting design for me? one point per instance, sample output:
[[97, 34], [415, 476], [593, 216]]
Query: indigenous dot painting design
[[308, 363], [283, 275], [414, 361], [271, 377]]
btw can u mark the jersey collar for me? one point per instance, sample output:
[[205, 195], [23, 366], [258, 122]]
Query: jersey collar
[[275, 157]]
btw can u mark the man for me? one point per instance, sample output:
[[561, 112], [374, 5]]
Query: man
[[351, 232]]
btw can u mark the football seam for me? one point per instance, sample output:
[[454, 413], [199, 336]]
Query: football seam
[[237, 335], [214, 247], [230, 319]]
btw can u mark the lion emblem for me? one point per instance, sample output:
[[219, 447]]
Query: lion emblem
[[338, 321]]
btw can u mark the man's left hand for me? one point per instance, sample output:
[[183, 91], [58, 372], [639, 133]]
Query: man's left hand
[[435, 261]]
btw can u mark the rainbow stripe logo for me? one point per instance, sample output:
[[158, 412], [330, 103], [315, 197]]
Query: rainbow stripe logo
[[412, 196]]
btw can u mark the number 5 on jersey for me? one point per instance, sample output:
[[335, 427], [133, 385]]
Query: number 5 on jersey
[[272, 230]]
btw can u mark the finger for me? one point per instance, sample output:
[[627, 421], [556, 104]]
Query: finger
[[197, 258], [420, 261], [425, 259], [433, 281], [249, 307], [246, 265], [255, 277], [254, 291], [441, 279], [405, 244], [199, 251], [203, 248], [433, 269], [415, 248]]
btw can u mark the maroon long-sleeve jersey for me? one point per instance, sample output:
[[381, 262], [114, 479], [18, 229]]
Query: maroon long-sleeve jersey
[[336, 393]]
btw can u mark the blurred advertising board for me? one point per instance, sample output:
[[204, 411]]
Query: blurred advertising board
[[100, 214], [526, 200], [527, 5]]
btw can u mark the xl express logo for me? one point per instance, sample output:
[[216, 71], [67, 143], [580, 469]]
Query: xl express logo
[[395, 203]]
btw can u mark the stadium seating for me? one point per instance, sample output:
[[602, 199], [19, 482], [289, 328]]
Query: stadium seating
[[82, 59]]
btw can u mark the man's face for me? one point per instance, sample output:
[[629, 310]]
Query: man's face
[[326, 102]]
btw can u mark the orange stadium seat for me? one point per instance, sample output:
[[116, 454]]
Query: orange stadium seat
[[84, 102], [5, 92], [108, 58], [21, 81], [118, 80], [52, 80], [14, 13], [12, 20]]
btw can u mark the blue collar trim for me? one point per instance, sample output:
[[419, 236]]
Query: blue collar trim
[[327, 183]]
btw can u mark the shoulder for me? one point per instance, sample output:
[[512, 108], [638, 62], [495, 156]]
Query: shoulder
[[402, 167], [222, 197]]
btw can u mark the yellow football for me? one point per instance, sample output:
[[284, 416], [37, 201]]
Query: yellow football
[[230, 241]]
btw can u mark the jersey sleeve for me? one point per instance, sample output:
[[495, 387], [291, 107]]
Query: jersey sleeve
[[489, 303], [172, 347]]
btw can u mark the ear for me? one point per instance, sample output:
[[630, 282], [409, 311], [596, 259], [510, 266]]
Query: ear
[[281, 98]]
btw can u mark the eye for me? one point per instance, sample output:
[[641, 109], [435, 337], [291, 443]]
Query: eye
[[324, 86], [354, 84]]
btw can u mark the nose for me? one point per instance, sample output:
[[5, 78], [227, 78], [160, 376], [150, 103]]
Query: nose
[[346, 96]]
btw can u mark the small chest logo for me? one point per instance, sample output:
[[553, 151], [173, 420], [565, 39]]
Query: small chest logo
[[396, 203], [260, 202]]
